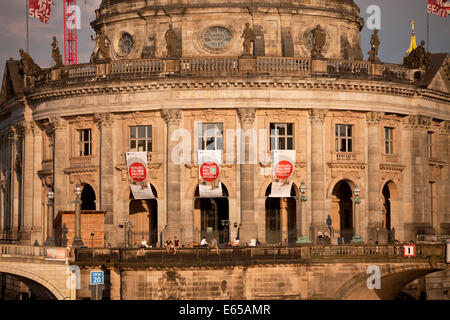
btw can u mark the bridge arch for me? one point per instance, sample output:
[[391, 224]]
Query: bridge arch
[[27, 276], [393, 279]]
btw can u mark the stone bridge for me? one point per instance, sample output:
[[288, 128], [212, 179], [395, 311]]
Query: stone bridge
[[304, 272]]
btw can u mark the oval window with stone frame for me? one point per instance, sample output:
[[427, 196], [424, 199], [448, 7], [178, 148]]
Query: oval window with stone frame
[[217, 37], [126, 43]]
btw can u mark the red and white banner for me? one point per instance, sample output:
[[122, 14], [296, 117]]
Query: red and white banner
[[283, 165], [438, 7], [137, 174], [40, 9], [209, 162]]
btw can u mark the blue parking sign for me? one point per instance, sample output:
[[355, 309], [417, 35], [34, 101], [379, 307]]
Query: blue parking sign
[[97, 277]]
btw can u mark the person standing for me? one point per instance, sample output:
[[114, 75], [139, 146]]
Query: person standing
[[176, 245]]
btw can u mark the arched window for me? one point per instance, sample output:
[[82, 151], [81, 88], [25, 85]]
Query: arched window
[[88, 198]]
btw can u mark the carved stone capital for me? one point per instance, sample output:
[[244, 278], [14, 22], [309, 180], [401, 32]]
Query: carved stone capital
[[417, 122], [172, 116], [104, 120], [374, 118], [317, 116], [444, 127], [27, 128], [13, 134], [57, 123], [246, 116]]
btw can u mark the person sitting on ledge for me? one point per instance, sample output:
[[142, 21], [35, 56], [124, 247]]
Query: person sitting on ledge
[[168, 245], [204, 243], [236, 243]]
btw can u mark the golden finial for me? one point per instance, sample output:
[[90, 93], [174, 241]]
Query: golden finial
[[413, 44]]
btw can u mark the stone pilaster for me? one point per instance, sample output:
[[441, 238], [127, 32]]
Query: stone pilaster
[[64, 199], [284, 220], [27, 130], [105, 123], [248, 229], [173, 120], [374, 227], [444, 192], [317, 118]]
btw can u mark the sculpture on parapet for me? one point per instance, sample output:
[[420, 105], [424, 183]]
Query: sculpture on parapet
[[102, 46], [418, 58], [318, 42], [375, 45], [56, 54], [249, 38], [27, 64], [171, 42]]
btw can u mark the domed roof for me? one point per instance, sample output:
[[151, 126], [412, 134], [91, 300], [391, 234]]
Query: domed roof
[[112, 2]]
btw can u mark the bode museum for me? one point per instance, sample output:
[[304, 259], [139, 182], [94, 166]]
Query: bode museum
[[257, 120]]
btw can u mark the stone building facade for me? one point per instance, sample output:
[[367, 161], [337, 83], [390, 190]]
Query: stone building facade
[[381, 127]]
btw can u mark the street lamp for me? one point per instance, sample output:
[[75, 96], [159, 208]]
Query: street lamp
[[77, 241], [356, 201], [303, 190], [50, 241]]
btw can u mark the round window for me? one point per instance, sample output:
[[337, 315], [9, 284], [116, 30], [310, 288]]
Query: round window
[[217, 37], [126, 43]]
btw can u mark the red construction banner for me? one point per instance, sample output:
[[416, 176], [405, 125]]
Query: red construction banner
[[40, 9], [438, 7]]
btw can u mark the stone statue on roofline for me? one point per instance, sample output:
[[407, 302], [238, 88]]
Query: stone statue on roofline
[[249, 38], [171, 42], [418, 58], [319, 41], [56, 54], [27, 64], [375, 45], [102, 46]]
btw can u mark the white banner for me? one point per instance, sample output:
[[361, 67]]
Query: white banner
[[283, 166], [209, 162], [137, 174]]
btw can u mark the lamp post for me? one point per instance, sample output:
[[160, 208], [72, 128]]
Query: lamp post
[[77, 241], [304, 238], [356, 202], [50, 241]]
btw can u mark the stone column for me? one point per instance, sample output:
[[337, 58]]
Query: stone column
[[374, 228], [27, 128], [248, 229], [197, 221], [284, 219], [444, 192], [105, 123], [318, 218], [173, 171], [404, 230]]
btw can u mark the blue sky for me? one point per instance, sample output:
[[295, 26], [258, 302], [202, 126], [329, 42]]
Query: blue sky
[[396, 16]]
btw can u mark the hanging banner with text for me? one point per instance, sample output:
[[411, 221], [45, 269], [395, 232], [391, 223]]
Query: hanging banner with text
[[137, 174], [438, 7], [209, 162], [283, 165], [40, 9]]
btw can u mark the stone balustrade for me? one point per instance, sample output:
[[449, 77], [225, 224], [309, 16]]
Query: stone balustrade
[[251, 255], [344, 157], [224, 66], [22, 251]]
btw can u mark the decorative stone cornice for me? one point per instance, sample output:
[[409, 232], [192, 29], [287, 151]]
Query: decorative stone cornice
[[417, 122], [444, 127], [317, 116], [246, 116], [374, 118], [104, 120], [172, 116]]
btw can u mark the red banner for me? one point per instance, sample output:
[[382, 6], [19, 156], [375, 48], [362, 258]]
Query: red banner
[[438, 7], [40, 9]]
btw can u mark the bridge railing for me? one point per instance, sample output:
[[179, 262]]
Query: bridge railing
[[195, 256]]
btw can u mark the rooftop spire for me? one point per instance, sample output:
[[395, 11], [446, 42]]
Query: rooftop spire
[[413, 44]]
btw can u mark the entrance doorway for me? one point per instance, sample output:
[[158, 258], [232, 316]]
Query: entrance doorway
[[88, 198], [274, 210], [342, 215], [144, 217], [211, 217]]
